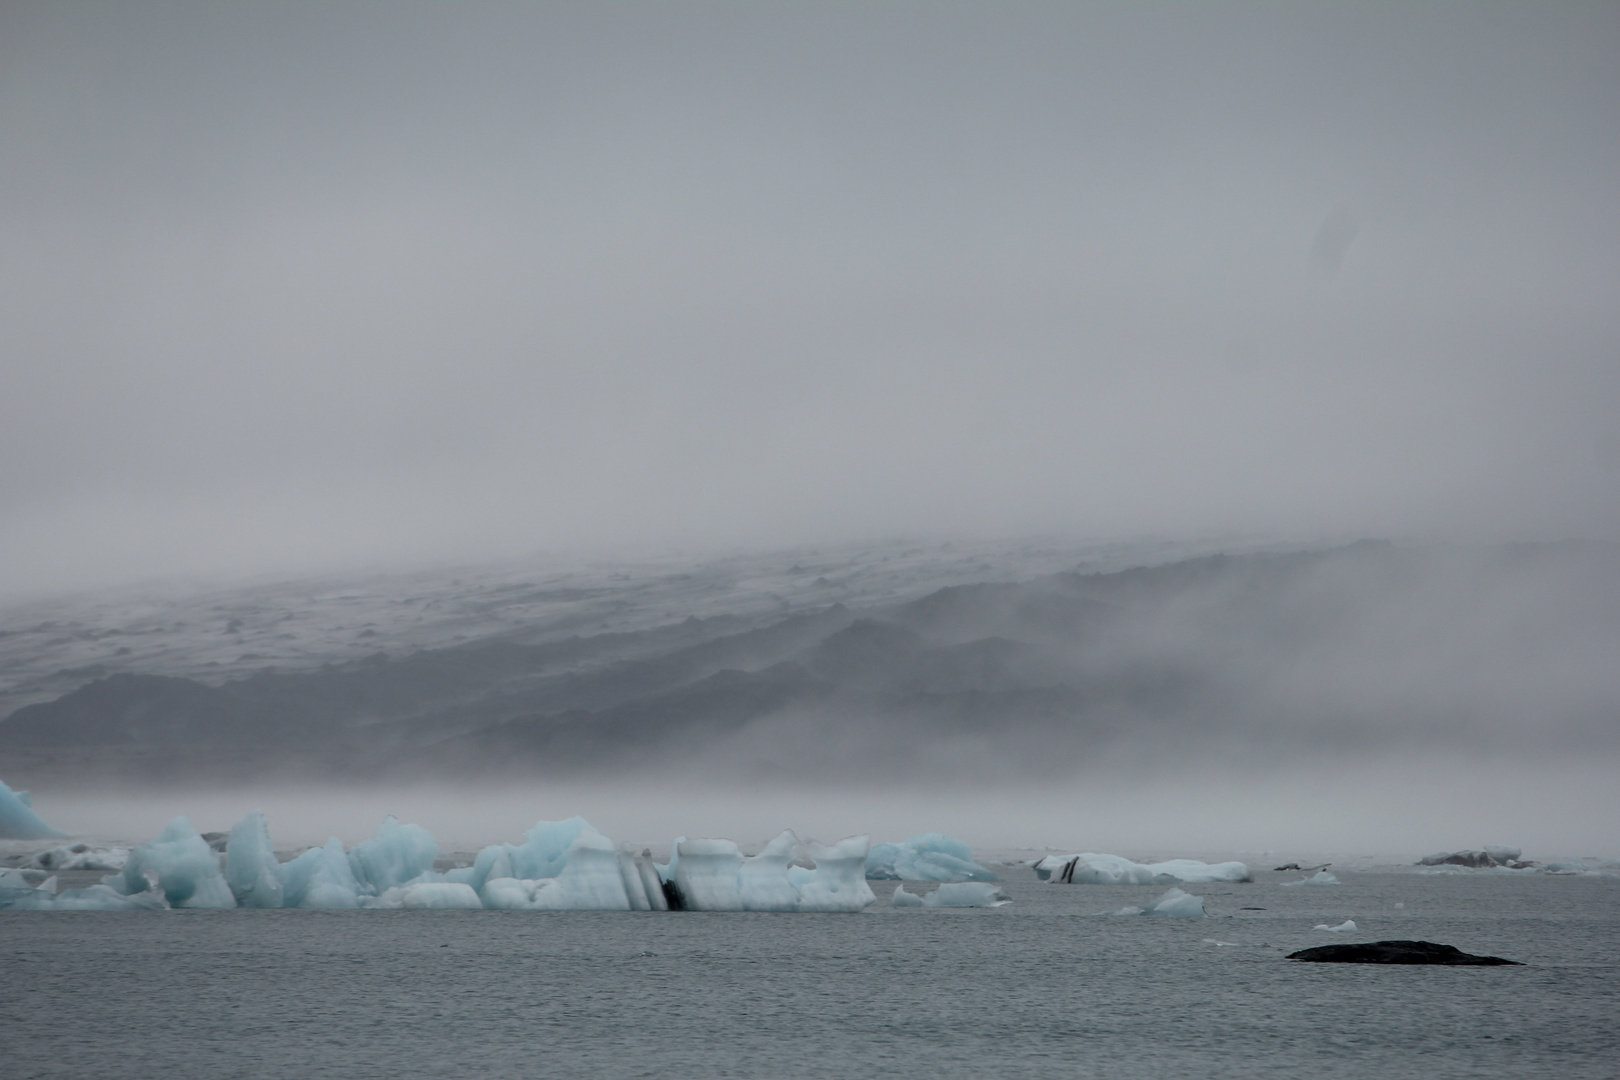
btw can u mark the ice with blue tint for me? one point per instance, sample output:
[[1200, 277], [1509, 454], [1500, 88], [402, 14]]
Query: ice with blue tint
[[543, 854], [964, 894], [1321, 877], [320, 878], [1090, 868], [251, 868], [181, 864], [80, 857], [17, 818], [929, 857], [1174, 904], [395, 855], [595, 876], [428, 896]]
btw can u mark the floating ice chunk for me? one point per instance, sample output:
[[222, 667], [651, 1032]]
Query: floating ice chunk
[[713, 875], [543, 854], [929, 857], [17, 818], [838, 883], [590, 879], [902, 898], [395, 855], [1093, 869], [1484, 858], [251, 869], [1586, 867], [180, 863], [81, 857], [1321, 877], [965, 894], [320, 878], [1175, 904], [1341, 928]]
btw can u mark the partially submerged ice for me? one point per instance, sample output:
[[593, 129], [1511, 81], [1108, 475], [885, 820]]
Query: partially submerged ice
[[1321, 877], [1174, 904], [1093, 869], [929, 857], [965, 894], [18, 820]]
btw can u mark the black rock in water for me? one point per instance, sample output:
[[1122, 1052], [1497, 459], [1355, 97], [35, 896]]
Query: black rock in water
[[1396, 952]]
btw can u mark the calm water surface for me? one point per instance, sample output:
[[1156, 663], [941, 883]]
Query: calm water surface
[[1042, 987]]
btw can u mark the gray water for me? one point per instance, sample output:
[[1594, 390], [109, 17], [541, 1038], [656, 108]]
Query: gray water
[[1044, 986]]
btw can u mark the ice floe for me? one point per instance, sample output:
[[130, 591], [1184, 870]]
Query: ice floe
[[964, 894], [1343, 927], [1321, 877], [1093, 869]]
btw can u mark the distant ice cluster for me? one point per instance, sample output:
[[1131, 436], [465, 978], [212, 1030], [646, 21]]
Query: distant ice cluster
[[560, 866]]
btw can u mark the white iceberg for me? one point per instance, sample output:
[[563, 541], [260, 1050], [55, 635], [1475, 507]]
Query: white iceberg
[[1174, 904], [17, 818], [929, 857], [1321, 877], [1090, 868], [181, 864], [713, 875], [1343, 927]]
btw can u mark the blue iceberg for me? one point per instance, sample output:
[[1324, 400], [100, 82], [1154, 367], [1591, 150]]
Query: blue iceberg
[[18, 820], [929, 857]]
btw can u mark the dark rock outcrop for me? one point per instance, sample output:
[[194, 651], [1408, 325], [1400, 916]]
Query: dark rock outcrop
[[1396, 952]]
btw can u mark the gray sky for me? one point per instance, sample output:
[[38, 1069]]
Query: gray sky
[[286, 284]]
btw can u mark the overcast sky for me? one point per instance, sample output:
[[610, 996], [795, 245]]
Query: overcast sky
[[292, 284]]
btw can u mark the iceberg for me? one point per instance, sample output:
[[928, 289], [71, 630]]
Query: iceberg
[[713, 875], [1347, 925], [1321, 877], [1175, 904], [929, 857], [1482, 859], [18, 820], [251, 869], [1093, 869], [320, 878], [962, 894], [395, 855], [181, 864]]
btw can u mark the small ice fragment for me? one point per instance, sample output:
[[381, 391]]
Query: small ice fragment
[[1347, 925], [1174, 903], [963, 894], [904, 899], [1321, 877]]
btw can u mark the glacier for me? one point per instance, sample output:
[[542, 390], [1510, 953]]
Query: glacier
[[18, 820], [929, 857], [1093, 869]]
